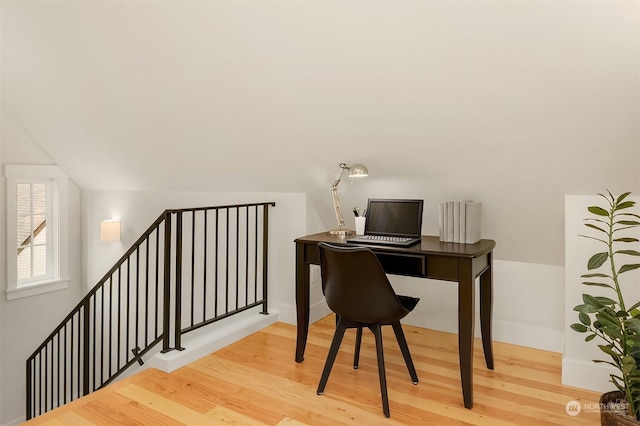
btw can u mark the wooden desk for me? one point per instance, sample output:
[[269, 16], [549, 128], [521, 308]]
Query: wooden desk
[[461, 263]]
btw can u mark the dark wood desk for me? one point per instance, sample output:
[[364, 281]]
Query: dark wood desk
[[461, 263]]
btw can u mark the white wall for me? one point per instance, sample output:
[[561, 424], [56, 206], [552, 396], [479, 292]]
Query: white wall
[[26, 322], [578, 369], [3, 257]]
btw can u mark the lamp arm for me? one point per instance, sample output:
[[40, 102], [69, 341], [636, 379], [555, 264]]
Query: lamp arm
[[336, 199]]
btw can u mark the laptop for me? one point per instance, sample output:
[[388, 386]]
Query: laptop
[[391, 222]]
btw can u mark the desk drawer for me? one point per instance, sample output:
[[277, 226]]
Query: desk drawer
[[443, 268], [414, 265]]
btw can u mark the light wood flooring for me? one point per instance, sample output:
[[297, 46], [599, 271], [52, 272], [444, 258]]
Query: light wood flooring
[[256, 382]]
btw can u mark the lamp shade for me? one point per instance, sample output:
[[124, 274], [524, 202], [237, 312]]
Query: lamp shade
[[110, 230], [358, 170]]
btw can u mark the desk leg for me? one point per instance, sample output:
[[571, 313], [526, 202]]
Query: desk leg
[[486, 308], [302, 301], [466, 319]]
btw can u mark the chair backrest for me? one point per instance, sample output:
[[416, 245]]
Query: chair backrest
[[356, 287]]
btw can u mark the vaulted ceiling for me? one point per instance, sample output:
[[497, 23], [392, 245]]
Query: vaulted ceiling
[[502, 101], [210, 95]]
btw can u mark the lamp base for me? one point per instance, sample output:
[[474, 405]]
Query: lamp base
[[341, 231]]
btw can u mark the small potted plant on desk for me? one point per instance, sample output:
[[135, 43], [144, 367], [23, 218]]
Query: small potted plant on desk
[[614, 321]]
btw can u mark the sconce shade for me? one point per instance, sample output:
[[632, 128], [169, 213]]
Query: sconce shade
[[358, 170], [110, 230]]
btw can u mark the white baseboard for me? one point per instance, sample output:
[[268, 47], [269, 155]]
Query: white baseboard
[[317, 311], [587, 375], [503, 331], [546, 339]]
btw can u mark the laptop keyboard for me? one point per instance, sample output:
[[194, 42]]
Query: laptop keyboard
[[383, 238]]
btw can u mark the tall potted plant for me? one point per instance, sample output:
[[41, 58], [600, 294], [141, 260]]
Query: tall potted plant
[[614, 320]]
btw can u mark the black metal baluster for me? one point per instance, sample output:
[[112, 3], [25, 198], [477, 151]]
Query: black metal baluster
[[178, 303], [127, 321], [167, 284], [204, 268], [110, 316], [119, 313], [226, 287], [137, 310], [58, 386], [64, 330], [193, 264], [157, 317], [71, 357], [237, 209], [265, 245], [217, 256], [102, 311], [94, 355], [146, 293], [255, 257], [86, 343]]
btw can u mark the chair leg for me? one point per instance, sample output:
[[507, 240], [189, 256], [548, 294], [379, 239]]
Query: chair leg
[[377, 332], [331, 357], [356, 353], [402, 342]]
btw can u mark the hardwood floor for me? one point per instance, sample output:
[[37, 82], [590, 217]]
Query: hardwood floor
[[256, 382]]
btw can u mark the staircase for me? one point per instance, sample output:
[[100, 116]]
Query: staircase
[[190, 268]]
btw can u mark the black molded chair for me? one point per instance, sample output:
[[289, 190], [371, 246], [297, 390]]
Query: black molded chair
[[358, 291]]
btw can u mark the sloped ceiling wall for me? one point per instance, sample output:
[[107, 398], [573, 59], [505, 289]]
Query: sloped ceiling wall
[[510, 103]]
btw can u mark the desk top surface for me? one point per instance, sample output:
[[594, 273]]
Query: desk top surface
[[428, 245]]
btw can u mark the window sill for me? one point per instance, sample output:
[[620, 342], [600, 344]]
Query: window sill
[[35, 289]]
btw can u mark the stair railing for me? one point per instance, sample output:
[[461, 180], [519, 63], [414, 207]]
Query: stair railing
[[190, 268]]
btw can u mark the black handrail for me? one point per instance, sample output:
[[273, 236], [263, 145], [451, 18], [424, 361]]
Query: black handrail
[[141, 300]]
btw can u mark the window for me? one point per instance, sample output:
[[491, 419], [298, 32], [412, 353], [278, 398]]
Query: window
[[36, 230]]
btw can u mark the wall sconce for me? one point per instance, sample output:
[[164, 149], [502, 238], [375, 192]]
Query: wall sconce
[[357, 170], [110, 230]]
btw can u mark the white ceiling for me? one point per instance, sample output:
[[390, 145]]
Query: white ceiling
[[184, 94], [514, 103]]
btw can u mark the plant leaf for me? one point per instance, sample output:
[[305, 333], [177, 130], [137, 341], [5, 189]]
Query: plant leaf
[[626, 240], [628, 222], [607, 349], [593, 238], [592, 283], [597, 260], [598, 211], [629, 252], [622, 197], [625, 268], [628, 364], [591, 301], [625, 205], [595, 274], [580, 328], [584, 318], [591, 225], [605, 300]]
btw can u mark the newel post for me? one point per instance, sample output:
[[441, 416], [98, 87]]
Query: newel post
[[166, 305]]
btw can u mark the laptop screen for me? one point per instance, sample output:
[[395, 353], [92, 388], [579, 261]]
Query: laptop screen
[[401, 218]]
